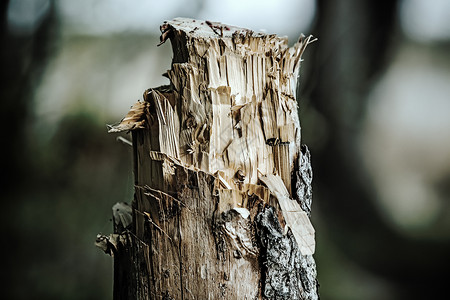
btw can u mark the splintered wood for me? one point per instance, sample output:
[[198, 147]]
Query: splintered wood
[[213, 152]]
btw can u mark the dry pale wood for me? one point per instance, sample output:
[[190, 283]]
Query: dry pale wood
[[222, 189]]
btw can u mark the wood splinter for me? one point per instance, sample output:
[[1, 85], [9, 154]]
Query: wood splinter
[[166, 32]]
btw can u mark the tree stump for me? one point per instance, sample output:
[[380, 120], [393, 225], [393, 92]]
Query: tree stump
[[222, 183]]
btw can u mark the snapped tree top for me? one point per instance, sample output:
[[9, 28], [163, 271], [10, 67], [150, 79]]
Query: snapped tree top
[[223, 186]]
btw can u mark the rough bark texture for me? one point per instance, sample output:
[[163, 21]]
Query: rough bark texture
[[222, 189]]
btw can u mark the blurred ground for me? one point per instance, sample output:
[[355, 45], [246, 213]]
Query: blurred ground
[[375, 112]]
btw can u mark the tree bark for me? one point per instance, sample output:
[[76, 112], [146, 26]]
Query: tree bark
[[222, 183]]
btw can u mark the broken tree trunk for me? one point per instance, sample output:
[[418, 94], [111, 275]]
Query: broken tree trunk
[[222, 185]]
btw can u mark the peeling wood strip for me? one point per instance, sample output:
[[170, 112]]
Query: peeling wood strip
[[296, 219], [135, 119], [149, 217]]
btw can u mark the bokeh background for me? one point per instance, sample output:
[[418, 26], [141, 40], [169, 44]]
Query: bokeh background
[[374, 97]]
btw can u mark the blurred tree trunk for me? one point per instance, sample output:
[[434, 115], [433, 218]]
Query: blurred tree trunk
[[222, 184], [23, 57], [357, 42]]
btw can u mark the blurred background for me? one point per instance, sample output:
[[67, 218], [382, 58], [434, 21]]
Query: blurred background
[[374, 100]]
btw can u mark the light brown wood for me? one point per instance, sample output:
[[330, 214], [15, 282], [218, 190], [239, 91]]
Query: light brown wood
[[220, 209]]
